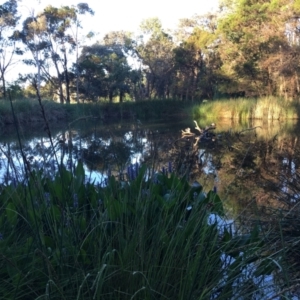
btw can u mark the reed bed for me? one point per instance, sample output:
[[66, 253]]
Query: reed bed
[[267, 108], [141, 237]]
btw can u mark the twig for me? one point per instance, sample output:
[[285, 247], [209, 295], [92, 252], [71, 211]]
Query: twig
[[198, 128]]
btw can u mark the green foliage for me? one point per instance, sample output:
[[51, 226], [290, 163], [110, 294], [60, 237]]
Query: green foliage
[[63, 238], [105, 71]]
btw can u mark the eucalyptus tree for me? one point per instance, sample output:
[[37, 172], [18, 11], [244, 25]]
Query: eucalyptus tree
[[132, 74], [62, 41], [155, 50], [196, 58], [50, 39], [8, 21], [33, 37], [81, 9]]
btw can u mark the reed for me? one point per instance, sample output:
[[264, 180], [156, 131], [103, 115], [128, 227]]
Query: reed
[[267, 108], [145, 238]]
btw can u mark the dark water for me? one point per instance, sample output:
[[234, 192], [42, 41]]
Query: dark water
[[250, 165]]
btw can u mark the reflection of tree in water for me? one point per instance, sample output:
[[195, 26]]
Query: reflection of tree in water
[[253, 169], [244, 166], [100, 156], [110, 148]]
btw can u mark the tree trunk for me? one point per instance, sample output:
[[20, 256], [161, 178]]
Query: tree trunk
[[61, 94], [3, 87], [67, 78], [121, 96]]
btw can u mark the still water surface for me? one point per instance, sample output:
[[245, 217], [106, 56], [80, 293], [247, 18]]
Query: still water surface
[[254, 164]]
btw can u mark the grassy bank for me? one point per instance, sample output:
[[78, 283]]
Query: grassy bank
[[29, 111], [242, 109], [64, 238]]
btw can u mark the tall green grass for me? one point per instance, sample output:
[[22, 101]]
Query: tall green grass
[[268, 108], [65, 238]]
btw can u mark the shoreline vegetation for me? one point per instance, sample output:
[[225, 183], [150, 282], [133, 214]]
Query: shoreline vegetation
[[242, 109], [28, 111]]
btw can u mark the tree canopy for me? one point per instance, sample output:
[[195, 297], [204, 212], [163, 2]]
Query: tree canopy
[[249, 48]]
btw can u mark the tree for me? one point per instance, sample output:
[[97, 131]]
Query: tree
[[156, 55], [8, 21], [132, 77], [82, 9], [254, 43], [197, 60], [50, 39], [63, 26], [62, 41], [33, 37], [104, 71]]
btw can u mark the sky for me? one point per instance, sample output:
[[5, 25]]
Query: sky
[[128, 14]]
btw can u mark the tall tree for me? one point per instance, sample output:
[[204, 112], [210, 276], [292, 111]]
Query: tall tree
[[33, 37], [196, 57], [8, 21], [49, 37], [155, 51], [81, 9], [104, 71], [254, 40], [132, 77], [61, 40]]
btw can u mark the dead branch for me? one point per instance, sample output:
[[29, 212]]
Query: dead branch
[[198, 128]]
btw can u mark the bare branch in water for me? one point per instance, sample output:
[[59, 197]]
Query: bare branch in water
[[198, 128], [187, 133]]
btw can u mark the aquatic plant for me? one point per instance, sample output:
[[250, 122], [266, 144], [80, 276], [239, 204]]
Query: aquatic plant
[[67, 238]]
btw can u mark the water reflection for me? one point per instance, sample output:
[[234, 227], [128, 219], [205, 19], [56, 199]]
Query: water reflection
[[250, 168]]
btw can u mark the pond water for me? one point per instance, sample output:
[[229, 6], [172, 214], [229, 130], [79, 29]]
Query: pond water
[[250, 165]]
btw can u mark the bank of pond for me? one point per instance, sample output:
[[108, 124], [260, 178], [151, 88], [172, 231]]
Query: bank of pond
[[241, 109], [31, 111]]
